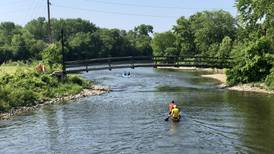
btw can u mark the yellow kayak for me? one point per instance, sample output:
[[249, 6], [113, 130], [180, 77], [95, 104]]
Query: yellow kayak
[[175, 119]]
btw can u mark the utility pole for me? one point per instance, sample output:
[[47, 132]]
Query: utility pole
[[49, 25]]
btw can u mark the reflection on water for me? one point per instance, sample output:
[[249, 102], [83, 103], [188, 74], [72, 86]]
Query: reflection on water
[[131, 119]]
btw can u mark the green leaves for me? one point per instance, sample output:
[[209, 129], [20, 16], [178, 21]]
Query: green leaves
[[254, 64], [211, 27], [52, 55], [26, 87], [270, 79], [255, 11], [162, 44]]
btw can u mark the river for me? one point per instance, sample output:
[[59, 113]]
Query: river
[[130, 119]]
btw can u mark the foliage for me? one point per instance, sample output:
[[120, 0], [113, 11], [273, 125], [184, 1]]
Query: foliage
[[253, 63], [203, 33], [225, 47], [143, 29], [270, 79], [252, 11], [247, 38], [211, 27], [161, 42], [184, 37], [254, 47], [26, 87], [52, 55], [82, 40]]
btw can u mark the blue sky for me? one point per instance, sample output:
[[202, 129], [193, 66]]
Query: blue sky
[[122, 14]]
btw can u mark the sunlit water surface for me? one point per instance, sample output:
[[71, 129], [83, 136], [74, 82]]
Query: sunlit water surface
[[131, 118]]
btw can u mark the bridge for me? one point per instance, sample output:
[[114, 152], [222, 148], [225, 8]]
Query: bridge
[[145, 61]]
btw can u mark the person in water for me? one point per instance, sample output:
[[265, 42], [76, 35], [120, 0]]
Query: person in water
[[171, 106], [126, 73], [175, 112]]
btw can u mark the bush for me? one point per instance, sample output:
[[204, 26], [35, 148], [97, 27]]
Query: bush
[[22, 97], [26, 86], [52, 55], [4, 106], [270, 80], [253, 63], [46, 78], [76, 80]]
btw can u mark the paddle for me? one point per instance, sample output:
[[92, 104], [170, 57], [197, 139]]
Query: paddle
[[166, 119]]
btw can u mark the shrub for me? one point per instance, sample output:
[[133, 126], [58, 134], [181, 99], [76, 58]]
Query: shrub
[[270, 80], [76, 80], [253, 63], [4, 106], [26, 86], [22, 97]]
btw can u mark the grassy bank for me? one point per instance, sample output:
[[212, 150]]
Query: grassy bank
[[11, 68], [23, 86]]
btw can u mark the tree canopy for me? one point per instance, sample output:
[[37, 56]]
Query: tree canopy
[[248, 39]]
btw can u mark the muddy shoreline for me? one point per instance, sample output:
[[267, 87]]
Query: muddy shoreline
[[92, 91]]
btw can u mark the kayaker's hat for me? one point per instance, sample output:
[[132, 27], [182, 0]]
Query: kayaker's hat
[[172, 101]]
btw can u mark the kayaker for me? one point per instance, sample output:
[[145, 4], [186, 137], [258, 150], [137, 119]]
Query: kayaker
[[171, 106], [175, 113]]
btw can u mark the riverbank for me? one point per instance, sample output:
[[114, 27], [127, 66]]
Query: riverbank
[[24, 88], [219, 75], [250, 87], [91, 91]]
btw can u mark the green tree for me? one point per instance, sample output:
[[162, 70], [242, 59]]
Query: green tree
[[144, 29], [20, 50], [163, 41], [184, 37], [253, 11], [83, 46], [211, 27], [7, 30], [52, 55], [6, 53], [38, 28], [253, 62], [225, 48], [71, 27]]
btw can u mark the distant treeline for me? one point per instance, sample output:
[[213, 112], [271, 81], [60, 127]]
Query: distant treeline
[[248, 39], [82, 40]]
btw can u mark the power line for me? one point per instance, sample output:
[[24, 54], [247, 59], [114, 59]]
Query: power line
[[12, 3], [148, 6], [31, 10], [49, 24], [110, 12]]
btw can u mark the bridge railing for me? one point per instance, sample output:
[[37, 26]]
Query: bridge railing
[[194, 60], [148, 61]]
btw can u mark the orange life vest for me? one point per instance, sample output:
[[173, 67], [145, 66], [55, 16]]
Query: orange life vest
[[171, 106]]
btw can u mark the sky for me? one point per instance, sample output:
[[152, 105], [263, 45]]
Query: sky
[[122, 14]]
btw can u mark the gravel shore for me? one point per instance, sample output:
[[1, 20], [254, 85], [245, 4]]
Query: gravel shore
[[93, 90]]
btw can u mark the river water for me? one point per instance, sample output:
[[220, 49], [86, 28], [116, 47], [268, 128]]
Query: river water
[[131, 118]]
